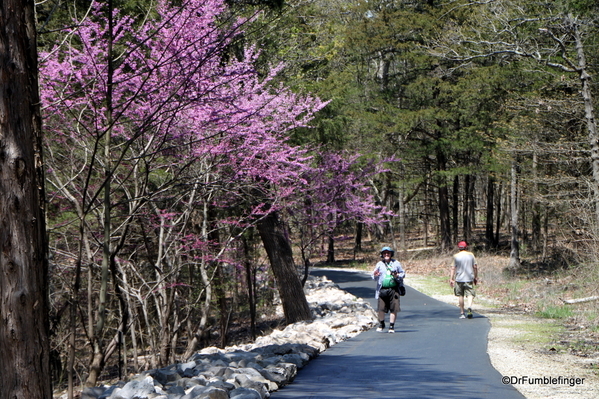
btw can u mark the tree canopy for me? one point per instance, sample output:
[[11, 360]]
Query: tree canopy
[[201, 154]]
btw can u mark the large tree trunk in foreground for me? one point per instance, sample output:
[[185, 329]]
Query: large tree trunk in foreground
[[276, 242], [24, 328]]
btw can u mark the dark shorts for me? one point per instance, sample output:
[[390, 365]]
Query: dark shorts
[[388, 300]]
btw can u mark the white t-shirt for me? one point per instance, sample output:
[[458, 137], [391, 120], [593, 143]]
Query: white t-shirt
[[464, 263]]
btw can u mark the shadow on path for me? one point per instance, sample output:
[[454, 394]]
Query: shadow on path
[[433, 354]]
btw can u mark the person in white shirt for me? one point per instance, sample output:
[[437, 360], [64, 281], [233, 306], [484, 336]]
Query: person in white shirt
[[463, 277]]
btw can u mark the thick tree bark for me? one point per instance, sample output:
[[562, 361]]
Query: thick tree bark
[[276, 242], [24, 327]]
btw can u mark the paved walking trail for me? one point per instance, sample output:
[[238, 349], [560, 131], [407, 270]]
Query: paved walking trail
[[433, 354]]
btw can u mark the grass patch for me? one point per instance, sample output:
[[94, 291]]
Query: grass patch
[[360, 265], [537, 333], [555, 312], [430, 285]]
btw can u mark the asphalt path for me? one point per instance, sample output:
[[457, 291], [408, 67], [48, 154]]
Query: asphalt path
[[433, 354]]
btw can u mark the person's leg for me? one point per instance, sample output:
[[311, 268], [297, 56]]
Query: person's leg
[[469, 293], [394, 308], [469, 300], [461, 303], [382, 318], [392, 317], [382, 309]]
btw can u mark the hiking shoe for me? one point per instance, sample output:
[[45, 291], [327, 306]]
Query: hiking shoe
[[379, 329], [391, 330], [462, 316], [469, 313]]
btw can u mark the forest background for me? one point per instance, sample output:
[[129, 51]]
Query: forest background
[[201, 156]]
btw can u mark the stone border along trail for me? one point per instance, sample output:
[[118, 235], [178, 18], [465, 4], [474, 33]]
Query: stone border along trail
[[254, 370]]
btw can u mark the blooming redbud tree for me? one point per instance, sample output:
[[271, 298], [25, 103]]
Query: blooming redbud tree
[[164, 145]]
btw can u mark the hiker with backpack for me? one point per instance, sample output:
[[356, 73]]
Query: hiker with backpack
[[389, 276]]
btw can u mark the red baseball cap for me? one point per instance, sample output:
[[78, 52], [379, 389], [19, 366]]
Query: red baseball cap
[[462, 245]]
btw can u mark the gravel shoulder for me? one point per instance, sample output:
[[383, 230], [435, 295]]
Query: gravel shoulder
[[519, 354]]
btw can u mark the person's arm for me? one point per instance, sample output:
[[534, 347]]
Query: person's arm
[[376, 272], [452, 275], [399, 272], [475, 268]]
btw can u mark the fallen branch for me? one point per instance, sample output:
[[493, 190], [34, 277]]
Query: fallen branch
[[580, 300]]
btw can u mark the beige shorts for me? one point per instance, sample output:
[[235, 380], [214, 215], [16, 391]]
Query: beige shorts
[[464, 289]]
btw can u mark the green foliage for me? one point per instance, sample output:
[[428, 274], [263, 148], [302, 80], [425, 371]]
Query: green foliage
[[584, 7], [555, 312], [54, 15]]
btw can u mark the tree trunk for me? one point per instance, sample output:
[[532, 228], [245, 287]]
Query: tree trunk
[[466, 222], [472, 205], [223, 306], [24, 303], [402, 221], [428, 194], [98, 357], [276, 243], [330, 249], [498, 216], [536, 209], [358, 240], [589, 112], [445, 227], [455, 208], [74, 309], [444, 218], [391, 224], [200, 331], [250, 277], [515, 252], [489, 219]]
